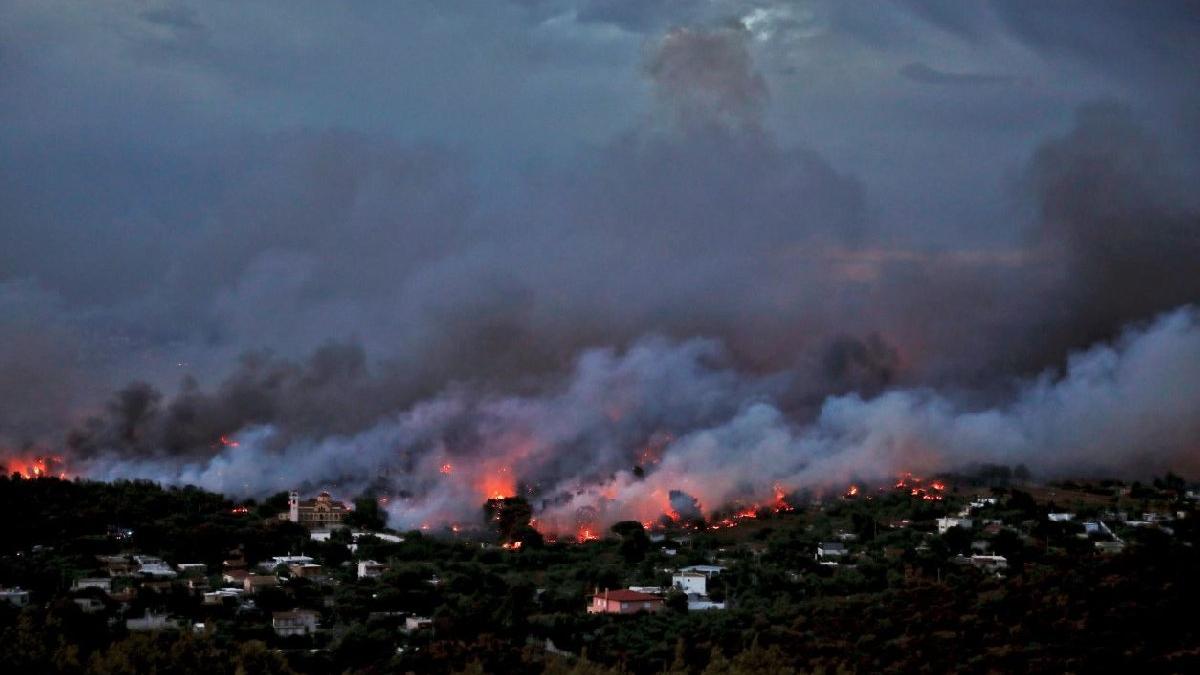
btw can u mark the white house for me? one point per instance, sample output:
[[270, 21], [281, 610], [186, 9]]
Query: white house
[[990, 563], [369, 569], [192, 568], [150, 566], [295, 622], [690, 583], [102, 583], [944, 524], [704, 605], [218, 596], [1060, 517], [89, 605], [415, 623], [150, 622], [286, 561], [707, 570], [830, 549], [14, 596]]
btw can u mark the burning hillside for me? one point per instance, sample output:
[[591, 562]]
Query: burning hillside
[[665, 434], [45, 466]]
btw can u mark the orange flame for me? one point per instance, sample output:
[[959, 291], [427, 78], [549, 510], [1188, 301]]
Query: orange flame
[[37, 467]]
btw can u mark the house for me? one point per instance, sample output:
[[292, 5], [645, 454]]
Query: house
[[624, 601], [256, 582], [320, 513], [326, 535], [990, 563], [192, 568], [116, 565], [235, 576], [369, 569], [708, 570], [286, 561], [652, 590], [830, 549], [1060, 517], [416, 623], [89, 605], [14, 596], [690, 583], [704, 604], [295, 622], [218, 596], [102, 583], [151, 622], [306, 570], [157, 568], [944, 524], [1109, 547]]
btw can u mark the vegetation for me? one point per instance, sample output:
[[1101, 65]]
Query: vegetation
[[902, 601]]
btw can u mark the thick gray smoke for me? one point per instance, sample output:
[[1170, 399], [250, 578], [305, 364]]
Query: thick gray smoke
[[1126, 407]]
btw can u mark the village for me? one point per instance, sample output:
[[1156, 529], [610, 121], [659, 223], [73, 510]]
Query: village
[[315, 580]]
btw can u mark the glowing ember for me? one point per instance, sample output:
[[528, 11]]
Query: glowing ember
[[512, 545], [227, 442], [852, 491], [586, 534], [447, 468], [239, 510]]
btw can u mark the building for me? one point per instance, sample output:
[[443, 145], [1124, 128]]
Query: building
[[323, 512], [116, 565], [102, 583], [235, 576], [624, 601], [306, 570], [218, 596], [151, 622], [944, 524], [14, 596], [990, 563], [369, 569], [89, 605], [1060, 517], [256, 582], [192, 568], [295, 622], [830, 549], [286, 561], [416, 623], [707, 570], [690, 583], [156, 568]]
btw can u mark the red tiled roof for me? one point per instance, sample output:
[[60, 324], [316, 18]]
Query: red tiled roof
[[626, 595]]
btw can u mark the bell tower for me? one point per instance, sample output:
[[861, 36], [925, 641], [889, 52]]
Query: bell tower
[[294, 506]]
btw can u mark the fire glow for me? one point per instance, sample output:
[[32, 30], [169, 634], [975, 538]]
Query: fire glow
[[49, 466]]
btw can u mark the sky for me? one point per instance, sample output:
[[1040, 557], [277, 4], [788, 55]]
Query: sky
[[222, 217]]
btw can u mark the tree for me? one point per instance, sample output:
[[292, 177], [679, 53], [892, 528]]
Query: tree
[[366, 514], [508, 516]]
